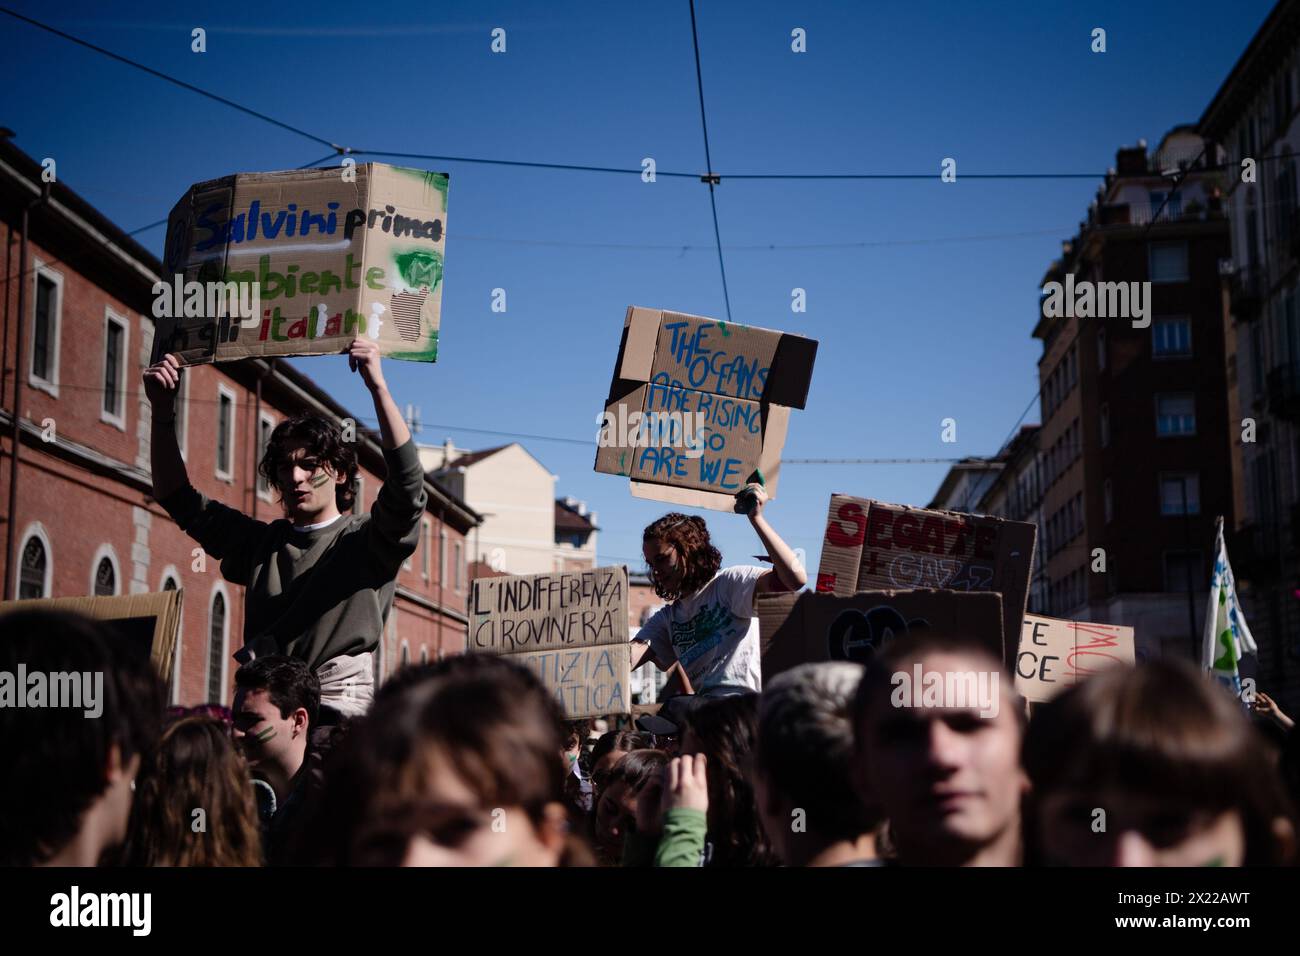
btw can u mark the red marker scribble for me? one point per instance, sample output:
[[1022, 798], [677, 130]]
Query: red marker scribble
[[1102, 636]]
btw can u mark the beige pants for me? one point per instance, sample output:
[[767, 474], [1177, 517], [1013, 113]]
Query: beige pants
[[348, 683]]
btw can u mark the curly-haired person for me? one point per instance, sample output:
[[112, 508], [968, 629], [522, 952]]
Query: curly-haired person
[[320, 581], [709, 623]]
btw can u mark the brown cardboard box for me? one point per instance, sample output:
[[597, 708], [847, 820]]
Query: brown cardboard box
[[807, 627], [870, 546], [570, 627], [333, 259], [738, 382], [1057, 654], [148, 622]]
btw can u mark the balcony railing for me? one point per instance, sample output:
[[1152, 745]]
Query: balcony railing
[[1284, 391], [1141, 213]]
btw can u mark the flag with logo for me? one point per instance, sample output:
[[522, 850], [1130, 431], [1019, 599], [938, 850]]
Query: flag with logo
[[1227, 636]]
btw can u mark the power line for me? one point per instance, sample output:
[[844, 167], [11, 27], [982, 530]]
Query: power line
[[708, 162], [171, 79]]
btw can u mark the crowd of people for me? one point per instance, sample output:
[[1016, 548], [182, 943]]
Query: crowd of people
[[471, 761]]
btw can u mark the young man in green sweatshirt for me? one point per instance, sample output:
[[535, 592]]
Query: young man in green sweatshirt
[[319, 582]]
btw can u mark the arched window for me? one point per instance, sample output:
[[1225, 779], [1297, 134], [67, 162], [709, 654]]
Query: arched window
[[406, 654], [217, 650], [424, 654], [171, 584], [105, 578], [34, 572]]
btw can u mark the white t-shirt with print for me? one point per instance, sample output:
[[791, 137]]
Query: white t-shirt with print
[[713, 632]]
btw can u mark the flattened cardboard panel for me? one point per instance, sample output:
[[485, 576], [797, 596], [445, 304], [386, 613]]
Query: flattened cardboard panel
[[613, 457], [902, 547], [332, 260], [1056, 654], [146, 624], [687, 497], [586, 681], [846, 529], [637, 351], [808, 627], [514, 613], [791, 374]]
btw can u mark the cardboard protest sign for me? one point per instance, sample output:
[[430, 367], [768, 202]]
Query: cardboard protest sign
[[1057, 654], [698, 408], [569, 627], [870, 545], [807, 627], [326, 255], [146, 624]]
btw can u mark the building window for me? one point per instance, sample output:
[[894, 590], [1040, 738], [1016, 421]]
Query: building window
[[170, 583], [116, 339], [1171, 338], [406, 654], [1108, 501], [460, 568], [105, 578], [34, 573], [1183, 568], [1103, 421], [359, 494], [217, 650], [1168, 261], [47, 324], [426, 547], [265, 425], [1101, 350], [424, 654], [1172, 485], [1176, 414], [225, 433], [442, 557]]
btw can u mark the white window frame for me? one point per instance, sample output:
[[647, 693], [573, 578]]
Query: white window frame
[[1189, 434], [459, 551], [1151, 258], [267, 494], [112, 318], [404, 655], [1172, 356], [227, 476], [442, 556], [426, 546], [183, 414], [174, 690], [1193, 479], [48, 385], [424, 653], [106, 551], [218, 588], [37, 530]]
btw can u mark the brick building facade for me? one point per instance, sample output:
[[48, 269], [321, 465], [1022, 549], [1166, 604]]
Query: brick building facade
[[78, 514]]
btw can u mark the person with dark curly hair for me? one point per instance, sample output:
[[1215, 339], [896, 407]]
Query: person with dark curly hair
[[320, 581], [709, 623]]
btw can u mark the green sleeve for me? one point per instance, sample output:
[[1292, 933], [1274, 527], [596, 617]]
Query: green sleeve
[[638, 849], [682, 842], [225, 533], [395, 517]]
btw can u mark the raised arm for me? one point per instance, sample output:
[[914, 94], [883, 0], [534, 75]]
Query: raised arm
[[162, 382], [363, 357], [787, 573]]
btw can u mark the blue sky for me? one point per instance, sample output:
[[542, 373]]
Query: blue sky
[[928, 316]]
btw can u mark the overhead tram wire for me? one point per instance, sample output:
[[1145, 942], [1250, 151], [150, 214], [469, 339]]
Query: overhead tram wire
[[710, 178]]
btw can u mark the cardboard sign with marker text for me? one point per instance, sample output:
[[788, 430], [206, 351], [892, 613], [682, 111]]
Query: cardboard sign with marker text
[[722, 394], [808, 627], [569, 627], [332, 257], [872, 546], [1057, 654], [146, 624]]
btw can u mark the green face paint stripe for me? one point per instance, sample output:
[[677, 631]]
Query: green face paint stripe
[[265, 735], [319, 479]]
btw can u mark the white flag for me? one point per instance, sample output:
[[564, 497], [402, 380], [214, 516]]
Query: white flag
[[1227, 636]]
